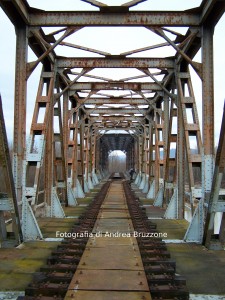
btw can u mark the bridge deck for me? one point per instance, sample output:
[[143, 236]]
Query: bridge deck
[[112, 259], [111, 266]]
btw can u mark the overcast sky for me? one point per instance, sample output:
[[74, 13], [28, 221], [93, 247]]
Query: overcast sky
[[111, 40]]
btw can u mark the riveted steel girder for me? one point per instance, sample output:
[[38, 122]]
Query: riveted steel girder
[[211, 11], [120, 118], [135, 86], [20, 12], [120, 111], [147, 18], [115, 62], [116, 100], [17, 11]]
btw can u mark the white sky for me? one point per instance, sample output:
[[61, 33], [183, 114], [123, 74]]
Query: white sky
[[113, 40]]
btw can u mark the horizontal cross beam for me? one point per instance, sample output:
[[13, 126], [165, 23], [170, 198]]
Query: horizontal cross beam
[[134, 18], [135, 86], [113, 111], [19, 13], [116, 100], [115, 62], [100, 119]]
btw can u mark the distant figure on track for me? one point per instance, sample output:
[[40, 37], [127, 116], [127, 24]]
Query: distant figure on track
[[131, 172]]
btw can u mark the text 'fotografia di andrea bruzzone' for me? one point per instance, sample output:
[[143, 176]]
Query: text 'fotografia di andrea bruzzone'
[[117, 234]]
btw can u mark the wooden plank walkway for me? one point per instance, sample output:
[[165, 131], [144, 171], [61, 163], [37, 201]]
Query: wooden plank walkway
[[111, 265]]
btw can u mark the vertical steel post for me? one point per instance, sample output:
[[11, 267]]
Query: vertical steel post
[[215, 191], [66, 128], [19, 146], [156, 148], [148, 151], [82, 154], [207, 110], [136, 166], [165, 131], [8, 184], [180, 158], [97, 154], [170, 162], [49, 155]]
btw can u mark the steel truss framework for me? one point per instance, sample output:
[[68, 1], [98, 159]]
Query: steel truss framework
[[75, 112]]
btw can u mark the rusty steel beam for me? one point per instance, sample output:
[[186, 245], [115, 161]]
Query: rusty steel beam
[[190, 47], [115, 61], [113, 111], [84, 48], [20, 12], [17, 11], [20, 100], [99, 119], [216, 185], [7, 185], [207, 109], [94, 3], [196, 66], [132, 3], [180, 161], [211, 11], [91, 76], [135, 86], [145, 49], [132, 18], [117, 127], [33, 65], [115, 100], [38, 44]]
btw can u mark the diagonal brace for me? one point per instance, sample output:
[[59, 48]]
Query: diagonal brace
[[147, 72], [95, 3], [32, 65], [196, 66], [133, 3], [84, 71]]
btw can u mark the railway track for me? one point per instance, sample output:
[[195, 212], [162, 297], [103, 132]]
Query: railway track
[[112, 256]]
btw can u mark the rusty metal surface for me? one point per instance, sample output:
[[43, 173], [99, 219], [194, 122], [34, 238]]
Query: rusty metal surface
[[114, 214], [8, 199], [106, 295], [111, 257], [112, 280], [100, 101], [160, 270], [95, 19], [111, 262], [114, 111], [102, 241], [113, 225], [71, 62], [112, 85], [113, 205]]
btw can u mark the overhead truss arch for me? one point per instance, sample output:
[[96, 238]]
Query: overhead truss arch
[[84, 110]]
